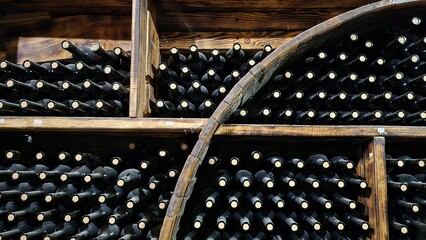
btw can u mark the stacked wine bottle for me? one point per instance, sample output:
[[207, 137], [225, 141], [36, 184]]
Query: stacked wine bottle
[[406, 197], [376, 76], [193, 86], [269, 194], [85, 190], [95, 82]]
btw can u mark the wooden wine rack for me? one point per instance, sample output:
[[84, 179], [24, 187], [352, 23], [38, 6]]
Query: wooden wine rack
[[156, 25]]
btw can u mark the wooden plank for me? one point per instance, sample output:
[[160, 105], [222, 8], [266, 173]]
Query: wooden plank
[[224, 40], [139, 42], [321, 131], [79, 26], [69, 7], [76, 124], [41, 49], [372, 168], [253, 5], [153, 59], [245, 21]]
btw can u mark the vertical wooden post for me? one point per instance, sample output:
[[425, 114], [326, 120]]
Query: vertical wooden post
[[372, 167]]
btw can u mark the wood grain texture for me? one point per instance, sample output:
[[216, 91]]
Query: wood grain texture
[[223, 40], [258, 77], [244, 21], [321, 131], [122, 7], [139, 48], [253, 5], [372, 168], [83, 124], [79, 26], [41, 49]]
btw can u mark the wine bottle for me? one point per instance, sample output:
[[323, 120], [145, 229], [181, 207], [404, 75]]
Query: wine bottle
[[244, 178], [397, 186], [157, 183], [7, 107], [320, 56], [97, 213], [165, 75], [120, 216], [117, 75], [288, 220], [232, 79], [176, 59], [209, 197], [284, 116], [150, 216], [234, 199], [87, 231], [196, 61], [52, 214], [219, 94], [245, 220], [333, 221], [262, 116], [332, 180], [164, 108], [217, 62], [42, 70], [305, 117], [18, 228], [88, 193], [321, 200], [397, 227], [241, 116], [206, 108], [354, 181], [75, 174], [197, 93], [24, 213], [101, 176], [130, 232], [124, 57], [310, 181], [175, 92], [259, 56], [129, 178], [7, 172], [38, 193], [288, 180], [61, 194], [349, 218], [112, 195], [108, 57], [235, 57], [83, 53], [265, 179], [265, 220], [30, 173], [245, 67], [108, 232], [211, 79], [310, 220], [275, 162], [402, 204], [30, 233], [222, 220], [138, 197], [318, 160], [187, 76], [298, 201], [186, 109], [62, 231], [13, 68]]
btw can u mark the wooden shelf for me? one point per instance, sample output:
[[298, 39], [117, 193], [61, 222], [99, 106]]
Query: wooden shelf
[[92, 124], [321, 131]]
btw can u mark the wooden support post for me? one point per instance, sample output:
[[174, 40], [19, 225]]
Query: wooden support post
[[372, 167]]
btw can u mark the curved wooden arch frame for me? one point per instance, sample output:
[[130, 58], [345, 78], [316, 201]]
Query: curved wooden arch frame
[[247, 87]]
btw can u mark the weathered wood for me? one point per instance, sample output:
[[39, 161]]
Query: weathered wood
[[153, 59], [79, 26], [40, 49], [253, 5], [245, 21], [258, 76], [372, 168], [139, 49], [93, 124], [122, 7], [321, 131], [224, 40]]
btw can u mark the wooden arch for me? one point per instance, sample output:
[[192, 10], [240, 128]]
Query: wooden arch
[[253, 81]]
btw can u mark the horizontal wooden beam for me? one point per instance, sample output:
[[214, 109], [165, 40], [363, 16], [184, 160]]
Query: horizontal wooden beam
[[39, 49], [253, 5], [75, 124], [288, 20], [224, 40], [69, 7], [321, 131], [79, 26]]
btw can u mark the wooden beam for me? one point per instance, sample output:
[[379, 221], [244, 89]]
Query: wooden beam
[[79, 26], [224, 40], [321, 131], [253, 5], [372, 168], [69, 7], [288, 20], [93, 124], [41, 49]]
